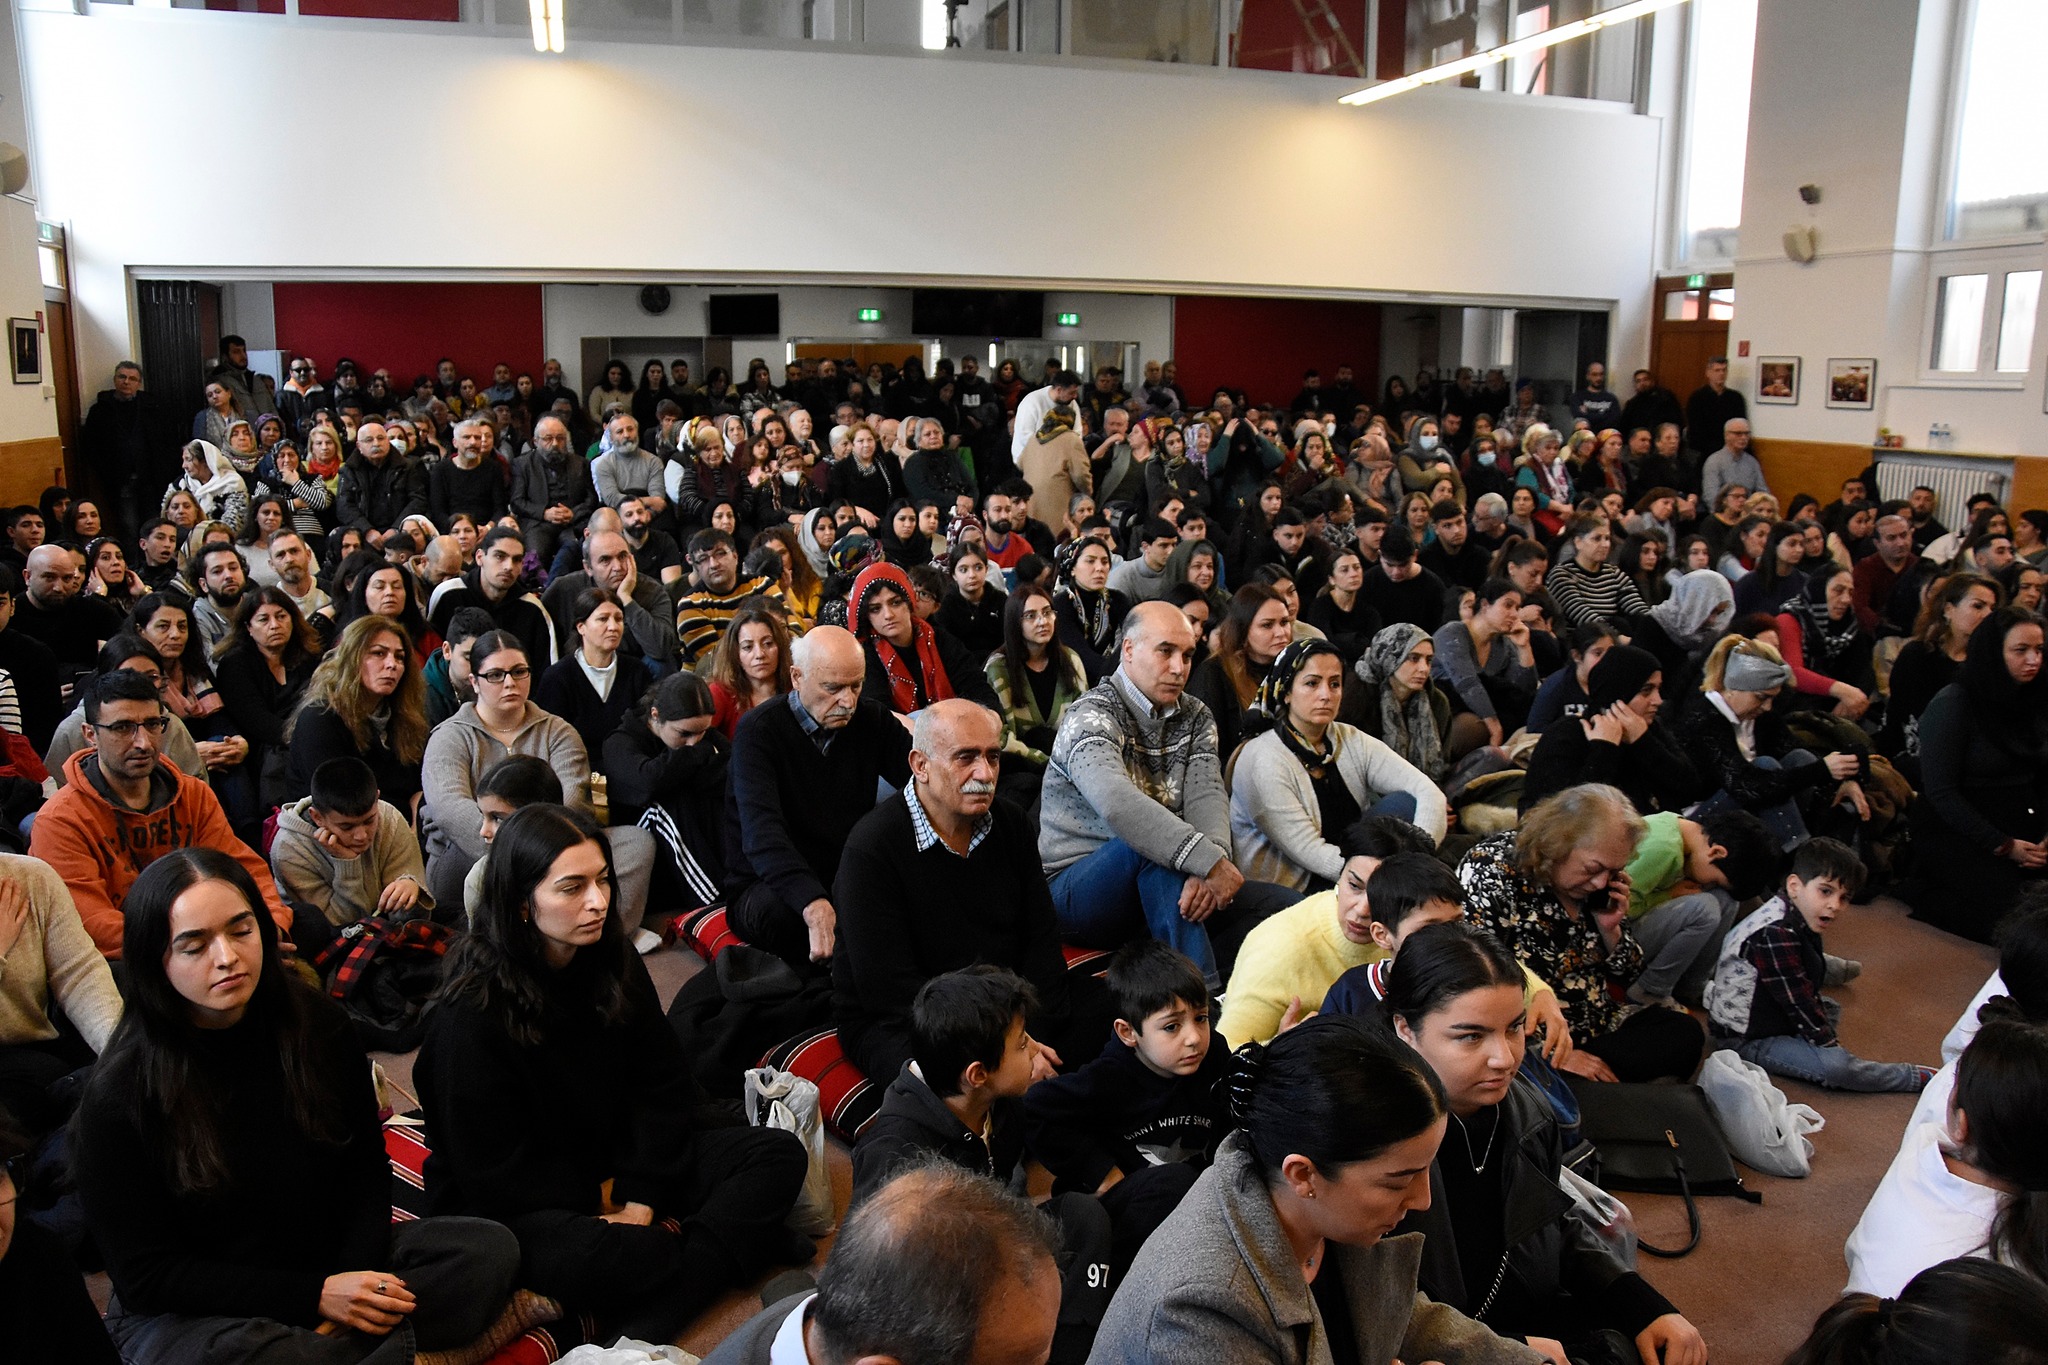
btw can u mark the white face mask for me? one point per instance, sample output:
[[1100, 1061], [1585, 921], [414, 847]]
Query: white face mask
[[398, 445], [1329, 428], [1427, 442], [1487, 457], [790, 476]]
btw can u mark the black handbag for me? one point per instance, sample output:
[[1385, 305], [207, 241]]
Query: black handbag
[[1658, 1139]]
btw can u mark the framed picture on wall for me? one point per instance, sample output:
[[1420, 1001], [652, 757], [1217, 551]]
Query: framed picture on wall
[[1852, 383], [1777, 379], [28, 350]]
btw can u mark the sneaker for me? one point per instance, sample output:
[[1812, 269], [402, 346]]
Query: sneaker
[[1841, 970], [646, 941], [1926, 1074]]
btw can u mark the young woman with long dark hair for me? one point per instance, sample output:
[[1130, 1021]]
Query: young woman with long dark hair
[[560, 1100], [1035, 677], [231, 1164]]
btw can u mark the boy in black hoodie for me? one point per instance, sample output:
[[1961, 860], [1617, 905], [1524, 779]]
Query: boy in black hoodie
[[1135, 1126], [972, 1060]]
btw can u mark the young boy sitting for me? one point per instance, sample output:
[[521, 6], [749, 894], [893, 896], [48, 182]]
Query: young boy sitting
[[1137, 1125], [957, 1101], [1685, 880], [342, 854], [1407, 892], [1765, 999], [514, 781]]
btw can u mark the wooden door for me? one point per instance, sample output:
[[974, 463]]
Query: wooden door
[[863, 353], [1688, 327], [64, 376]]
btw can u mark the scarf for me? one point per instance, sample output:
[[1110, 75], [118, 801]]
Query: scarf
[[1408, 728], [1091, 607], [223, 482], [1700, 604], [1272, 703], [1824, 641], [807, 537], [902, 688], [1058, 418], [2011, 715], [243, 464]]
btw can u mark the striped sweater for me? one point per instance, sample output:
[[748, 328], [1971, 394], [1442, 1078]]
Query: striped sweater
[[1605, 594], [1121, 769]]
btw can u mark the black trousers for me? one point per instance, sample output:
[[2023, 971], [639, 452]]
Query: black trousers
[[461, 1270], [647, 1282], [758, 915], [28, 1073], [1140, 1202], [1087, 1273], [1652, 1044]]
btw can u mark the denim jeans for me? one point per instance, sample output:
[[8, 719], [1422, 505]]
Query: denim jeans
[[1108, 897], [1833, 1066]]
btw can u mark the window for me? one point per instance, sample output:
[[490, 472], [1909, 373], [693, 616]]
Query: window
[[1984, 322], [2000, 185], [1717, 127]]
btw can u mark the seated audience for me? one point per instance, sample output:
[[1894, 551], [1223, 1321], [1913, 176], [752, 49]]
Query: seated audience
[[804, 772], [1395, 702], [366, 700], [1287, 1233], [560, 1104], [134, 653], [53, 610], [1555, 893], [1310, 776], [1135, 1125], [910, 665], [972, 611], [1455, 995], [668, 775], [1399, 589], [1685, 882], [1928, 662], [1961, 1309], [1765, 999], [58, 1002], [1685, 624], [1091, 613], [1778, 575], [946, 840], [1337, 611], [1486, 660], [124, 806], [1585, 586], [704, 612], [446, 673], [985, 1259], [1621, 741], [959, 1100], [1143, 577], [495, 583], [1983, 764], [1134, 824], [608, 563], [597, 684], [1034, 676], [342, 854], [1563, 693], [263, 668], [750, 667], [231, 1164], [1255, 629], [1825, 645], [1972, 1185]]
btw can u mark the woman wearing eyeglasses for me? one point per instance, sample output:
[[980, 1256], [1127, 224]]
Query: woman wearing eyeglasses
[[503, 720]]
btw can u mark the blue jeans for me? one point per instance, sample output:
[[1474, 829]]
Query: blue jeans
[[1400, 805], [1104, 900], [1783, 820], [1833, 1066]]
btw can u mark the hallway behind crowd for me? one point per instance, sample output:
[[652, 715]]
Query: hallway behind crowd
[[1238, 871]]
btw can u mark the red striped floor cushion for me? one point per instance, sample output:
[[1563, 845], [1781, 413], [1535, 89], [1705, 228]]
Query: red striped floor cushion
[[846, 1097], [1085, 961], [706, 931]]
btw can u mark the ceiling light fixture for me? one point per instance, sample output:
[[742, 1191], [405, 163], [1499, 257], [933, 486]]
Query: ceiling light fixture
[[547, 24], [1478, 61]]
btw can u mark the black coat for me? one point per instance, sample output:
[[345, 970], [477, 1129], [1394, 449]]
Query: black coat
[[1704, 733]]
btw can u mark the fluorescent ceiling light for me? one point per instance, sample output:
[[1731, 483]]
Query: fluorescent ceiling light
[[547, 24], [1535, 42]]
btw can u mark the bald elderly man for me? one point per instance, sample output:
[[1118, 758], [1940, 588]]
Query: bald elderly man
[[943, 842], [55, 610], [1134, 822], [804, 771]]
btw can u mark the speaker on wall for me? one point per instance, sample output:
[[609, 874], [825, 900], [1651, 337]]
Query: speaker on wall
[[13, 169], [1800, 244]]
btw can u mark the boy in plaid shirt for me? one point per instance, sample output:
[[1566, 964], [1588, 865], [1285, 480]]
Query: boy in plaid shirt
[[1765, 999]]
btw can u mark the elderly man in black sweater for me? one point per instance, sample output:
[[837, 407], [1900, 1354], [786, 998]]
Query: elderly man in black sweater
[[804, 771], [908, 869]]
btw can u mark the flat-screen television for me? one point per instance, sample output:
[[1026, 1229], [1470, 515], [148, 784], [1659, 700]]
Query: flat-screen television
[[744, 315], [977, 312]]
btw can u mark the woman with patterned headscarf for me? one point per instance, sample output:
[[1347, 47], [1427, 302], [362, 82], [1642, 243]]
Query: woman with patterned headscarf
[[1055, 463], [1091, 612], [1297, 786], [910, 665], [1395, 701]]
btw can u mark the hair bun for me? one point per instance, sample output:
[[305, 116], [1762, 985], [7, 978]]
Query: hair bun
[[2002, 1007], [1241, 1083]]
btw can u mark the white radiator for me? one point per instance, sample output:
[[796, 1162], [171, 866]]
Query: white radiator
[[1954, 479]]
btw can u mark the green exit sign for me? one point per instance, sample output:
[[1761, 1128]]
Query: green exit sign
[[869, 315], [1068, 319], [1695, 281]]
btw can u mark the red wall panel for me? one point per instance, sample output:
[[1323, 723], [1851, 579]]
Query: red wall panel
[[406, 327], [1262, 345]]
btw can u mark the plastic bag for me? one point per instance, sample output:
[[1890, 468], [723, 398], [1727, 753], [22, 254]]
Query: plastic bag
[[779, 1099], [626, 1351], [1608, 1218], [1763, 1129]]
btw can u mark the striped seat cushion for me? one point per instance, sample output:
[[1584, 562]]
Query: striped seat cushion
[[847, 1099], [707, 931]]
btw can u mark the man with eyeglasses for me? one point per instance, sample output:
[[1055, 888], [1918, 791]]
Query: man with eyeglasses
[[124, 805], [703, 613], [494, 585], [302, 395]]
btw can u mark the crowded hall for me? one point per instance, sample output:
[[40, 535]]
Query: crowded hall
[[794, 754]]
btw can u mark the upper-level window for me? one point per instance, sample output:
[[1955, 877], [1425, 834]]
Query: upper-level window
[[1717, 127], [1999, 186]]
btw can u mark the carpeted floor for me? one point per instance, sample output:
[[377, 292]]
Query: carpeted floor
[[1762, 1272]]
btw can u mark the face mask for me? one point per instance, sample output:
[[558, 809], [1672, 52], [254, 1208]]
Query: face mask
[[790, 476], [1486, 458], [398, 445], [1427, 442], [1329, 428]]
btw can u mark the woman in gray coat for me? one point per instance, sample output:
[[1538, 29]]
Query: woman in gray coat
[[1280, 1252]]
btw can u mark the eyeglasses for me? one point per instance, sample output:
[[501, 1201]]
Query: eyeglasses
[[125, 729], [302, 369], [498, 676]]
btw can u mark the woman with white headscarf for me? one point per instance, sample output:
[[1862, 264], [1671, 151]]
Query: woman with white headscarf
[[213, 483]]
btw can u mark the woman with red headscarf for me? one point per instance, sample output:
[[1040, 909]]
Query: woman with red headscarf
[[910, 664]]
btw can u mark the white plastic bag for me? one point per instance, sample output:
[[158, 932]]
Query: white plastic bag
[[779, 1099], [1763, 1129], [1609, 1218], [626, 1351]]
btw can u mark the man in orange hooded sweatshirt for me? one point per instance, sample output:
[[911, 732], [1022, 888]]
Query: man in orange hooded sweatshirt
[[124, 806]]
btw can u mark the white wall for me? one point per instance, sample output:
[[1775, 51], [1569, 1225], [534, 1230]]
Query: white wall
[[708, 129], [1851, 96], [27, 411]]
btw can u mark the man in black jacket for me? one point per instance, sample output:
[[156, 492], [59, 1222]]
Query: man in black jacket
[[494, 586], [128, 441], [1711, 408], [908, 867], [1651, 405], [377, 488]]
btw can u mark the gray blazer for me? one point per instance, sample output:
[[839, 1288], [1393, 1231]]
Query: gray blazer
[[1218, 1283]]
